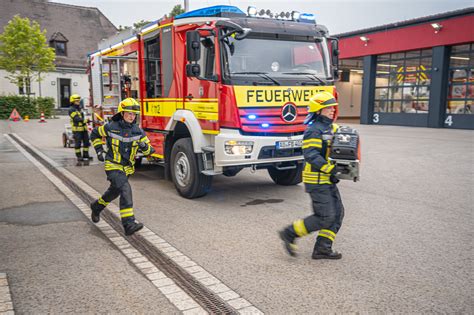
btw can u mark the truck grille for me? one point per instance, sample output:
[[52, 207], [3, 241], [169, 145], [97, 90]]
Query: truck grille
[[268, 120]]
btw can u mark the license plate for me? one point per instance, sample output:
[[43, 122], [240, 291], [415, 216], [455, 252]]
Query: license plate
[[289, 144]]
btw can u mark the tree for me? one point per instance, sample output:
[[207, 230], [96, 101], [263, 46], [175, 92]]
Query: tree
[[140, 24], [24, 53], [177, 10]]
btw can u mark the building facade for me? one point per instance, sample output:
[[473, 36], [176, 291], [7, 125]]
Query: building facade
[[413, 73], [73, 31]]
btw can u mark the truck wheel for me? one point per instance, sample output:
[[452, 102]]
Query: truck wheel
[[187, 179], [286, 177], [64, 140]]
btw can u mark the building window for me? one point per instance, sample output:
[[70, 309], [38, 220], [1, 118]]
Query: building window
[[59, 47], [403, 82], [24, 87], [461, 80]]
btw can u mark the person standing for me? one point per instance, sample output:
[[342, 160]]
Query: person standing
[[123, 139], [319, 180], [79, 128]]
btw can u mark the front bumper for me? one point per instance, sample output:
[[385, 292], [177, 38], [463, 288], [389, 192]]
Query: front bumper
[[264, 150]]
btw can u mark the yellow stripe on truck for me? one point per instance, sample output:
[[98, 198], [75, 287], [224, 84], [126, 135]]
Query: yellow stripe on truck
[[276, 96]]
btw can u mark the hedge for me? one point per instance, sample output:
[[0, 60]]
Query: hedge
[[32, 107]]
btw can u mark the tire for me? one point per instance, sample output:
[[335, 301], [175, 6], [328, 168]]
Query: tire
[[286, 177], [65, 142], [187, 179]]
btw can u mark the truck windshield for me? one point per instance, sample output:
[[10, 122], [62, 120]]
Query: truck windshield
[[275, 61]]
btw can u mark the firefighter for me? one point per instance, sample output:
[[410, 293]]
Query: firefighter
[[319, 180], [79, 128], [123, 140]]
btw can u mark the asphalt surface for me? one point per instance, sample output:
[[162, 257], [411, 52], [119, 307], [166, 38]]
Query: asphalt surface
[[57, 262], [406, 238]]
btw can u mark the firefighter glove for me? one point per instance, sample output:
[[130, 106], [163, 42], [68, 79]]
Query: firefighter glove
[[101, 156], [142, 146]]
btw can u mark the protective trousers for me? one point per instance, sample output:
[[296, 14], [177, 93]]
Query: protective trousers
[[81, 137], [327, 218], [119, 186]]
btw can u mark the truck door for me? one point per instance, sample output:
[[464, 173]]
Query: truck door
[[201, 92]]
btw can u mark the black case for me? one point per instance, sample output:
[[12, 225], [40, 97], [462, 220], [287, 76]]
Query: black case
[[345, 144]]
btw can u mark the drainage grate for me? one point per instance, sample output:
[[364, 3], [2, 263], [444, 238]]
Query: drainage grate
[[203, 296]]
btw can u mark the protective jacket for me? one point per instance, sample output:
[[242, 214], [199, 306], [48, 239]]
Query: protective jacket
[[316, 149], [123, 140], [78, 121]]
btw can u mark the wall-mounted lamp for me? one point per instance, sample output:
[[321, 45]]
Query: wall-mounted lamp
[[364, 39], [75, 84], [53, 82], [437, 27]]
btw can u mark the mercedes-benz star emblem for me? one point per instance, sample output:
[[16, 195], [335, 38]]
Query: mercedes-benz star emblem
[[289, 112]]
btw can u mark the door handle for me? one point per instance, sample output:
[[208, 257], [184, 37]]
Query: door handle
[[190, 96]]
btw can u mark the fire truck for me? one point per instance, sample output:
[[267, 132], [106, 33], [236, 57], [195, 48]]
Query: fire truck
[[220, 90]]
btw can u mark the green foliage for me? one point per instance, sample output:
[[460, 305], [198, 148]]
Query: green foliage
[[26, 106], [140, 24], [177, 10], [24, 53]]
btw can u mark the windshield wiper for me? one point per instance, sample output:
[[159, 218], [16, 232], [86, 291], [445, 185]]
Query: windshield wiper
[[321, 81], [261, 74]]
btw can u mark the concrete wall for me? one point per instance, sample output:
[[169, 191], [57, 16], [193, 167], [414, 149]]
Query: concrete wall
[[50, 85], [350, 95]]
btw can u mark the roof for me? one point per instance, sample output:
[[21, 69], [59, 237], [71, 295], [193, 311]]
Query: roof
[[82, 27], [411, 22]]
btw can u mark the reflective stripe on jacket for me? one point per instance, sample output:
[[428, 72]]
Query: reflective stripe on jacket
[[316, 149], [122, 140], [78, 121]]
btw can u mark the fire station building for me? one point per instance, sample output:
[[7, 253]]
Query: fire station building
[[417, 72]]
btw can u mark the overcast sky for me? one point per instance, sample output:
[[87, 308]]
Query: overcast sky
[[338, 15]]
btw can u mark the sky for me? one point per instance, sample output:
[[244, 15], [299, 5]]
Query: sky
[[339, 16]]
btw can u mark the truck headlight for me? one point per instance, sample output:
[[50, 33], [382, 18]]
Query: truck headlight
[[233, 147]]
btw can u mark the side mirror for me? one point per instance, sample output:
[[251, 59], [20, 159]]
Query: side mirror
[[193, 70], [193, 46], [335, 57]]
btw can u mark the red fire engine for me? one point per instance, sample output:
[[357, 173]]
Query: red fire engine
[[220, 90]]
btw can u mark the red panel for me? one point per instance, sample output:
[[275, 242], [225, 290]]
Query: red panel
[[228, 113], [455, 31], [157, 141]]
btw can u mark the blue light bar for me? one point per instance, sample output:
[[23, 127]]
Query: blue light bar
[[252, 117], [211, 11], [265, 125], [307, 18]]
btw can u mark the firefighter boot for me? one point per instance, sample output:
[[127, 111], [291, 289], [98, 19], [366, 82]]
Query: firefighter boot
[[78, 155], [85, 155], [323, 249], [96, 208], [130, 226], [288, 237]]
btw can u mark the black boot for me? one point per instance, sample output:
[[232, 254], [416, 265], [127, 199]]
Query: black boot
[[130, 226], [79, 156], [96, 208], [85, 155], [288, 238], [323, 249]]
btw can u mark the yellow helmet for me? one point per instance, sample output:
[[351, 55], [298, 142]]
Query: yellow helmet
[[319, 101], [129, 105], [74, 97]]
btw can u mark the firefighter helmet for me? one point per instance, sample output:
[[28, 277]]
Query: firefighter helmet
[[319, 101], [127, 105], [74, 97]]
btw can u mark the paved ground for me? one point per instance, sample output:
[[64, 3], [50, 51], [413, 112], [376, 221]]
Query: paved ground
[[56, 261], [406, 238]]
